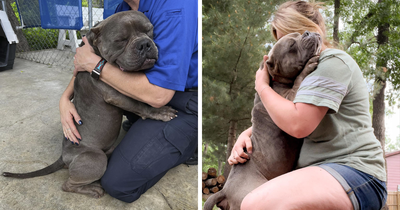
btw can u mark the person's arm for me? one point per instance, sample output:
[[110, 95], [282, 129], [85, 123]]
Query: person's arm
[[68, 114], [132, 84], [238, 155], [297, 119]]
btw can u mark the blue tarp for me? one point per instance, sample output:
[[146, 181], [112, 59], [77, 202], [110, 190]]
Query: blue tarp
[[61, 14]]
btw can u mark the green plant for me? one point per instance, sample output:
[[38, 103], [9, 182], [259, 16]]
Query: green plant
[[39, 39]]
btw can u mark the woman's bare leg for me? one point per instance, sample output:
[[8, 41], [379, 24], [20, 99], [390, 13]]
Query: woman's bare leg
[[306, 188]]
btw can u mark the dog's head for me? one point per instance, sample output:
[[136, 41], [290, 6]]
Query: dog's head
[[125, 39], [290, 54]]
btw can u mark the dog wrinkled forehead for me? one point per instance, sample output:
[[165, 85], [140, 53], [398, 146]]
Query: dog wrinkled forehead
[[129, 19], [282, 40]]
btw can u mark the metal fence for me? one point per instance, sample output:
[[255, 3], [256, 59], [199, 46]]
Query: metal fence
[[54, 47]]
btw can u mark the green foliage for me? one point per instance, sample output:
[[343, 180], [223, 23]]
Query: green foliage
[[85, 3], [392, 145], [359, 39], [39, 39], [215, 154], [235, 33]]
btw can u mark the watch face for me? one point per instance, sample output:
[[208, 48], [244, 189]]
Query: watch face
[[95, 74]]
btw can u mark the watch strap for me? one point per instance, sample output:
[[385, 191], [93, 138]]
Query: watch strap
[[97, 70]]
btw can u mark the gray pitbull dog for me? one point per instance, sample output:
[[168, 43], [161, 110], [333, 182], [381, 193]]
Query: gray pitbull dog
[[124, 40], [274, 151]]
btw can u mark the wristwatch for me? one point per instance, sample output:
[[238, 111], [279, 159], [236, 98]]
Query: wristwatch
[[97, 70]]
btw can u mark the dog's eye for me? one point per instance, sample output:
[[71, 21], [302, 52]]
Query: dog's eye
[[292, 43]]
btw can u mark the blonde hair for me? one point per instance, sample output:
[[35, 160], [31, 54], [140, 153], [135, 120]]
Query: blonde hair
[[299, 16]]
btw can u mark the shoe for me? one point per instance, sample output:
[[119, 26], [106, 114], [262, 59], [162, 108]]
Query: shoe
[[126, 125], [192, 160]]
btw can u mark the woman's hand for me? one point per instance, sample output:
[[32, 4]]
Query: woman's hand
[[238, 155], [85, 59], [68, 114], [262, 77]]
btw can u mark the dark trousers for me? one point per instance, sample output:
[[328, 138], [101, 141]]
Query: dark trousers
[[151, 148]]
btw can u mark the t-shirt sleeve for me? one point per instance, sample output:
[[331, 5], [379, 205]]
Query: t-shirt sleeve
[[327, 85], [175, 34]]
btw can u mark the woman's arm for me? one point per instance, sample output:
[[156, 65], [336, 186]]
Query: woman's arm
[[297, 119], [68, 113], [133, 84], [238, 155]]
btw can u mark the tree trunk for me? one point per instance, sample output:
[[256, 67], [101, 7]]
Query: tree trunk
[[214, 189], [378, 116], [221, 179], [336, 22], [205, 149], [22, 45], [211, 182], [204, 176], [212, 172], [231, 142], [219, 167]]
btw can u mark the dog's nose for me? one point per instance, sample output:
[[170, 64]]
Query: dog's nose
[[143, 46]]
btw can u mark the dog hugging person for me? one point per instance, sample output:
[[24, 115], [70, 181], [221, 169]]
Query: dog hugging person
[[150, 148], [341, 163]]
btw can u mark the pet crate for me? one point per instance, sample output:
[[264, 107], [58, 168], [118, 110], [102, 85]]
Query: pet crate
[[8, 43]]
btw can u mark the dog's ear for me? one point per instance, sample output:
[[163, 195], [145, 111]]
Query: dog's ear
[[262, 64], [94, 33], [93, 36]]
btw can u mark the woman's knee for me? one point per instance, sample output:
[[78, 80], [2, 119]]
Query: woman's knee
[[253, 201], [113, 187], [249, 202]]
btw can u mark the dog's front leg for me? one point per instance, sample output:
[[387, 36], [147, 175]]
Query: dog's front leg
[[143, 110], [308, 68]]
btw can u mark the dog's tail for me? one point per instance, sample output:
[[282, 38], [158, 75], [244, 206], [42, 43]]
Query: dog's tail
[[213, 200], [59, 164]]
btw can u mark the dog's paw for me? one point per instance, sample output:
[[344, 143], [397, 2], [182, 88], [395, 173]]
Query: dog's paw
[[311, 65], [164, 113], [93, 190]]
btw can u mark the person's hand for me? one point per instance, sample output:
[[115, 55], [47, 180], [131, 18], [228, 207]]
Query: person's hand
[[238, 155], [262, 77], [85, 59], [68, 115]]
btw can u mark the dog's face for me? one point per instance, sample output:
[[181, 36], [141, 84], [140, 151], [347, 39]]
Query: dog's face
[[125, 39], [290, 54]]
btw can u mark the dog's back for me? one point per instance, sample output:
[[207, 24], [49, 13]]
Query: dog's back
[[274, 153]]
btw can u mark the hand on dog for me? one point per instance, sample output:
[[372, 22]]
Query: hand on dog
[[238, 155], [85, 59], [262, 77], [68, 114]]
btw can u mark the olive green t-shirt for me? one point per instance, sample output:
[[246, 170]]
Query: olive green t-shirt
[[345, 135]]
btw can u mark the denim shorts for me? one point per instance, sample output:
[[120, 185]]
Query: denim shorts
[[365, 191]]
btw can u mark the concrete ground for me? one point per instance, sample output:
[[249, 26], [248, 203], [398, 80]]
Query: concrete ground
[[30, 139]]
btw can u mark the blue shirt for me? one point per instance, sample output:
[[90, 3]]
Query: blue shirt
[[175, 34]]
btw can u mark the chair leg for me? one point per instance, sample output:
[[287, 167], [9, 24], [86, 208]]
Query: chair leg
[[61, 39], [73, 40]]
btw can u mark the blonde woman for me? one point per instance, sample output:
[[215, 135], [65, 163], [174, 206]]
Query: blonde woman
[[341, 163]]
